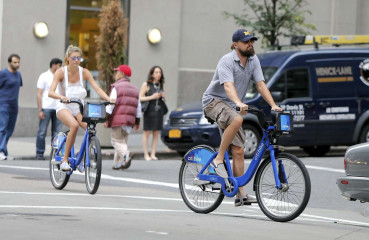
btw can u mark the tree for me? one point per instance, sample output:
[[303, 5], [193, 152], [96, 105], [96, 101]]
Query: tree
[[275, 18], [111, 43]]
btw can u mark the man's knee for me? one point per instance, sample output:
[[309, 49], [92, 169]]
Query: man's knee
[[238, 120], [237, 151]]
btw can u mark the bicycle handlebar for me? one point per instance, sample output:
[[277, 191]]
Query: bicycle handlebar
[[79, 102], [251, 109]]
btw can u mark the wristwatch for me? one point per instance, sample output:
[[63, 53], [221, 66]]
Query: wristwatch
[[40, 110]]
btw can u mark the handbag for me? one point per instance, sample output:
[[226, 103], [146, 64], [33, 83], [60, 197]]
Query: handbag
[[164, 106], [144, 106]]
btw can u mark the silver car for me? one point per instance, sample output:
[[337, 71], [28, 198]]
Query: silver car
[[355, 185]]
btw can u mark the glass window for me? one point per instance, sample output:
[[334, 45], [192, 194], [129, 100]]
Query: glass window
[[268, 73], [293, 84], [89, 3], [83, 28]]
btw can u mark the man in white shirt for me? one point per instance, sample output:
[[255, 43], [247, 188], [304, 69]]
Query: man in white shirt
[[46, 107]]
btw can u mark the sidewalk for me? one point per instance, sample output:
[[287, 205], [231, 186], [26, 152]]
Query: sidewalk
[[24, 148]]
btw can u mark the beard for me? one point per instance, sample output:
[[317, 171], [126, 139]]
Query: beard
[[247, 53], [14, 68]]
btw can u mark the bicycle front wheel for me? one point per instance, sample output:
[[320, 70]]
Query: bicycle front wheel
[[289, 202], [93, 172], [199, 196], [59, 178]]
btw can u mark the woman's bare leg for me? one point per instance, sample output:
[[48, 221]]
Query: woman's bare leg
[[145, 140], [155, 140], [68, 120]]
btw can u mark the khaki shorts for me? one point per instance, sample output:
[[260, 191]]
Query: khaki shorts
[[223, 114]]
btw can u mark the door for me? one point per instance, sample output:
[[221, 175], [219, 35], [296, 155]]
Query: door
[[294, 87], [337, 103]]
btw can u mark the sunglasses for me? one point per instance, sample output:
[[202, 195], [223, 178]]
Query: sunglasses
[[251, 40], [76, 58]]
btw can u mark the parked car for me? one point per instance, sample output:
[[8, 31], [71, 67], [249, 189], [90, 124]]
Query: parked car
[[326, 90], [355, 185], [186, 127]]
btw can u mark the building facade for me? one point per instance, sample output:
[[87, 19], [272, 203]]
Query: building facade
[[195, 35]]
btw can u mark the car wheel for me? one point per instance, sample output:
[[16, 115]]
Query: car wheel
[[317, 151], [364, 136], [252, 140]]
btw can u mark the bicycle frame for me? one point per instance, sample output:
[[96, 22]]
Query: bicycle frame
[[263, 146], [73, 160]]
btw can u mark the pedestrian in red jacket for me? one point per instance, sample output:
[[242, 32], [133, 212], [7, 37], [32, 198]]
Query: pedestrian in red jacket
[[123, 116]]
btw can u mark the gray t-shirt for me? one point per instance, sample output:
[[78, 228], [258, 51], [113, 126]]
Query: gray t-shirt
[[230, 69]]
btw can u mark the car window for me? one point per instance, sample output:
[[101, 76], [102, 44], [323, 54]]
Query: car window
[[293, 83], [268, 73]]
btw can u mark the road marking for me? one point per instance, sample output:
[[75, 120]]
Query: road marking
[[95, 208], [155, 232], [325, 169], [104, 195], [336, 220], [24, 168]]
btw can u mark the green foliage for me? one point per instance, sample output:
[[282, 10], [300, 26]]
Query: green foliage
[[111, 43], [274, 18]]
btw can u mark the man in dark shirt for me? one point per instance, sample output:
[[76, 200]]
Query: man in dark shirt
[[10, 82]]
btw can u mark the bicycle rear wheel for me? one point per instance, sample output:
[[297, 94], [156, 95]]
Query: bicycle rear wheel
[[284, 204], [93, 172], [199, 196], [58, 178]]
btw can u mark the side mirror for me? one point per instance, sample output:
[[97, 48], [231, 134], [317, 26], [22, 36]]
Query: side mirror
[[277, 96]]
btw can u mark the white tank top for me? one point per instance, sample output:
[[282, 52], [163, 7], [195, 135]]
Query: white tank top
[[72, 90]]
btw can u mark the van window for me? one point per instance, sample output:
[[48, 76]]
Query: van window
[[268, 73], [293, 83]]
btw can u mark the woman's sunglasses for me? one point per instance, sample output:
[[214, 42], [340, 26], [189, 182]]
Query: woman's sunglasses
[[76, 58]]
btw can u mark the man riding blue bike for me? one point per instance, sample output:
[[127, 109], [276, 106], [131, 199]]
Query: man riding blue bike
[[229, 85]]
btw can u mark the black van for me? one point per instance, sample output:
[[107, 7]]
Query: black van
[[324, 90]]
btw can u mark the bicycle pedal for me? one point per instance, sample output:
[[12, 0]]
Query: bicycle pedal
[[196, 181]]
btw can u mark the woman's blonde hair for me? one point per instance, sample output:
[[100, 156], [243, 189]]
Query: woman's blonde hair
[[71, 49]]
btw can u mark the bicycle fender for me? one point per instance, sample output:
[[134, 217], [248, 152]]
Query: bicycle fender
[[199, 154]]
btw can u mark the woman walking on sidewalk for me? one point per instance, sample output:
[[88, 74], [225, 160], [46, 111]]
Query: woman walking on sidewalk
[[152, 95]]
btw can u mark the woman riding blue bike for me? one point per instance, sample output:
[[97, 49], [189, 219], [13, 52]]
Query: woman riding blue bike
[[228, 86], [69, 80]]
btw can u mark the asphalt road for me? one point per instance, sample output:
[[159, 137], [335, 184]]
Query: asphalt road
[[143, 202]]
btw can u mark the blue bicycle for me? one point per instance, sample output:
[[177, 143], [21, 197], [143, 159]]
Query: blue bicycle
[[89, 154], [281, 184]]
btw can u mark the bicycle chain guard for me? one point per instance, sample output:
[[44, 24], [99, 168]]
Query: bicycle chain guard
[[230, 187]]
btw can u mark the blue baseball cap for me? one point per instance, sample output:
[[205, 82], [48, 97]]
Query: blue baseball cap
[[242, 35]]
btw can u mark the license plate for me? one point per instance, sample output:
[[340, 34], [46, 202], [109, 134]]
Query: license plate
[[174, 133]]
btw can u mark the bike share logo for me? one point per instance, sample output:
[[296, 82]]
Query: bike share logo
[[194, 158], [364, 71], [259, 150]]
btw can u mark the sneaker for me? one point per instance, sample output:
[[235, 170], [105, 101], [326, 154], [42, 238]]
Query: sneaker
[[129, 157], [220, 169], [81, 167], [40, 157], [65, 167], [2, 156], [245, 201], [117, 166]]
